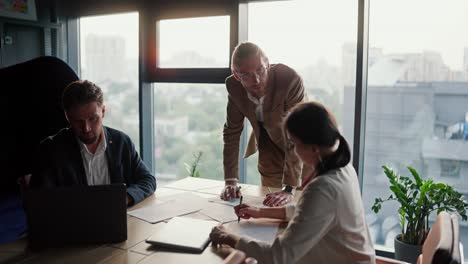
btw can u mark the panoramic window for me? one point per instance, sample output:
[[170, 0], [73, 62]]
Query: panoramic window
[[109, 58], [188, 120], [316, 39], [201, 42], [417, 100]]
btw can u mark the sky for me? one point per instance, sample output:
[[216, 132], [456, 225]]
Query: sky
[[209, 36], [303, 32]]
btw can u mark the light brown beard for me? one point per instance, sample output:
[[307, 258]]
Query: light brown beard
[[88, 141]]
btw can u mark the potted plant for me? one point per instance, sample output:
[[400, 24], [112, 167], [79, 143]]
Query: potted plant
[[192, 168], [418, 198]]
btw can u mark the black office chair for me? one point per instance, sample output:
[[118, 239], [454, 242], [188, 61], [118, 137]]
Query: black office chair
[[30, 110]]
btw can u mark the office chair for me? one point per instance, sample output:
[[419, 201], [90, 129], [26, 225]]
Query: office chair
[[442, 245], [30, 110]]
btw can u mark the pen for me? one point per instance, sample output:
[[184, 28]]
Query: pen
[[238, 189], [240, 203]]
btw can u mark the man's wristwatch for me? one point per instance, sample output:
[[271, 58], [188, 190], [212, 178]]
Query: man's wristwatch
[[288, 189]]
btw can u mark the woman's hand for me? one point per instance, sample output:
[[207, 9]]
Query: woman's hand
[[219, 235], [246, 211]]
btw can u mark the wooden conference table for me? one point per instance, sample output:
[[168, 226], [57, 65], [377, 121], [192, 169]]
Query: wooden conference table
[[134, 249]]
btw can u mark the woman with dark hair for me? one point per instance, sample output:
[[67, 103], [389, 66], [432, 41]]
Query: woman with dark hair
[[328, 223]]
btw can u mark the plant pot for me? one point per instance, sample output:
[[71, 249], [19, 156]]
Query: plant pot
[[406, 252]]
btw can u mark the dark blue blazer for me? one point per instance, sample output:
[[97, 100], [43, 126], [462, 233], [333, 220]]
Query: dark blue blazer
[[59, 163]]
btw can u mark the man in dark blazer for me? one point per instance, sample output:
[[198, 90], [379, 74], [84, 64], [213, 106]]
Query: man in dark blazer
[[88, 153]]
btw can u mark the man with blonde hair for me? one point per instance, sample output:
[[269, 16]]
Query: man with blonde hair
[[263, 94]]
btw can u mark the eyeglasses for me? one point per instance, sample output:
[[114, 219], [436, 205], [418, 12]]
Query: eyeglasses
[[259, 73]]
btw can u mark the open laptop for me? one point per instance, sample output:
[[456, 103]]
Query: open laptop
[[76, 215]]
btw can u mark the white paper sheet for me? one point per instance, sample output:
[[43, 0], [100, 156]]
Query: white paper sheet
[[250, 200], [174, 205], [258, 229], [194, 184], [219, 212]]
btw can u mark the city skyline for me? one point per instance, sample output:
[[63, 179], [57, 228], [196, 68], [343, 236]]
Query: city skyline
[[437, 28]]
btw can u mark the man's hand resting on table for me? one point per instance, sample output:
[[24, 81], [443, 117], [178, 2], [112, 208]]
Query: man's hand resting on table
[[230, 191], [278, 198]]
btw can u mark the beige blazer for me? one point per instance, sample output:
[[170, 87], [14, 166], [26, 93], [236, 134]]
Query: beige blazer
[[284, 90]]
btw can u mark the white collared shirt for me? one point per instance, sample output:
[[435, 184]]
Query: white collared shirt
[[258, 106], [95, 165]]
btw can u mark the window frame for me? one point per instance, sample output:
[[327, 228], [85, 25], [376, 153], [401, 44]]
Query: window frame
[[150, 73], [150, 61]]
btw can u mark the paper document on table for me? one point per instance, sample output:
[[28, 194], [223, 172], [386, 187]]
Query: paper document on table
[[258, 229], [250, 200], [194, 184], [173, 205], [219, 212]]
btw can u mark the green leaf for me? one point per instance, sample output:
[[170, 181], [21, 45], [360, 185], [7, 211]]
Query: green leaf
[[416, 176]]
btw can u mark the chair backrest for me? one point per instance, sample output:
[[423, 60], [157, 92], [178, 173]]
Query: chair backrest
[[31, 110], [442, 242], [456, 255]]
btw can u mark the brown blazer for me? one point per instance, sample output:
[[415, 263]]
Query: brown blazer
[[284, 90]]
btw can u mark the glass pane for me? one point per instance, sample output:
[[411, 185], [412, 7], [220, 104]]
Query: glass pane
[[318, 40], [109, 58], [189, 120], [417, 100], [201, 42]]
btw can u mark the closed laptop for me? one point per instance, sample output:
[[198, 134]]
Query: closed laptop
[[183, 233], [76, 215]]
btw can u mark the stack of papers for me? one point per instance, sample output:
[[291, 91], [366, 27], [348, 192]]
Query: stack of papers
[[174, 205], [250, 200]]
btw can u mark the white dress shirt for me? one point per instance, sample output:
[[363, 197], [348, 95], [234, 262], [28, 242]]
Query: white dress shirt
[[95, 165], [258, 106]]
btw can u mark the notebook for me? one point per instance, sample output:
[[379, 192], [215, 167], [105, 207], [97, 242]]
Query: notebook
[[183, 233], [76, 215]]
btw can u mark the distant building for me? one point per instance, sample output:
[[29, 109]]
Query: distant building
[[386, 69], [416, 115], [411, 124], [349, 61], [105, 58]]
